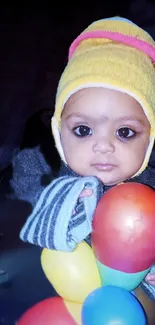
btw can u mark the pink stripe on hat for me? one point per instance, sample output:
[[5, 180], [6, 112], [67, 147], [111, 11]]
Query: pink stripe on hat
[[118, 37]]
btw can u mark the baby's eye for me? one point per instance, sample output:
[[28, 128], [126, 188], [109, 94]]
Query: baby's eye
[[125, 133], [82, 131]]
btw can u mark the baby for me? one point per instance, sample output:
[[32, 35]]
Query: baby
[[104, 129]]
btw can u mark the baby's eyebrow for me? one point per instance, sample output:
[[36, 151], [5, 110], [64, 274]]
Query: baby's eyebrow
[[76, 115], [131, 118]]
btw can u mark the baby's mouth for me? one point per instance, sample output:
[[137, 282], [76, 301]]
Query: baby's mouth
[[104, 166]]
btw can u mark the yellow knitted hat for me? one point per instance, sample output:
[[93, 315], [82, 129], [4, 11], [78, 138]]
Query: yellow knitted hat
[[112, 53]]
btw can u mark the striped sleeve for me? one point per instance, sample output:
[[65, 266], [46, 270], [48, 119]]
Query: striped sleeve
[[53, 224]]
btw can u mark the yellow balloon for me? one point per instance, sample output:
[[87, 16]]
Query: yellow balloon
[[75, 310], [72, 274]]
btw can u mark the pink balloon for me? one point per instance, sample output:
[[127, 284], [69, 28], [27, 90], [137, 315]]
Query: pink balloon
[[51, 311]]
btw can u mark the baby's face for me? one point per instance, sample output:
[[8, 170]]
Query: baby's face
[[104, 133]]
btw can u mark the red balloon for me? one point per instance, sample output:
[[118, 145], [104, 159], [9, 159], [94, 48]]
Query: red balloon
[[123, 236], [51, 311]]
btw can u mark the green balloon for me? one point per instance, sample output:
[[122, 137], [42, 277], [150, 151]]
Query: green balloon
[[128, 281]]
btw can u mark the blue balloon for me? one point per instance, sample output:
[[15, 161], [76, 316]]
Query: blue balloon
[[112, 305]]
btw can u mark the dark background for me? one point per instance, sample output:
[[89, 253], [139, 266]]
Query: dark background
[[34, 42]]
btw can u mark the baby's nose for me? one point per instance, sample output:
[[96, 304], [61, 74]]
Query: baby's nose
[[103, 144]]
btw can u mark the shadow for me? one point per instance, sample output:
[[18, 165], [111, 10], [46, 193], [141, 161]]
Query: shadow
[[38, 133], [24, 280], [14, 212]]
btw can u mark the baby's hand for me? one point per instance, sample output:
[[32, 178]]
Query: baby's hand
[[84, 193], [150, 279]]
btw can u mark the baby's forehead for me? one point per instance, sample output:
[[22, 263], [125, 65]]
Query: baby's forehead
[[91, 97], [103, 104]]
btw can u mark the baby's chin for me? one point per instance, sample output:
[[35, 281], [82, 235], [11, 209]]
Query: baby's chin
[[110, 182], [106, 180]]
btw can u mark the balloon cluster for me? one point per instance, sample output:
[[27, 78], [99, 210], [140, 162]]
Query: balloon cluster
[[95, 284]]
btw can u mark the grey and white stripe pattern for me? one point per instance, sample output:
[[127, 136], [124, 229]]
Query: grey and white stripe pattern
[[53, 224]]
